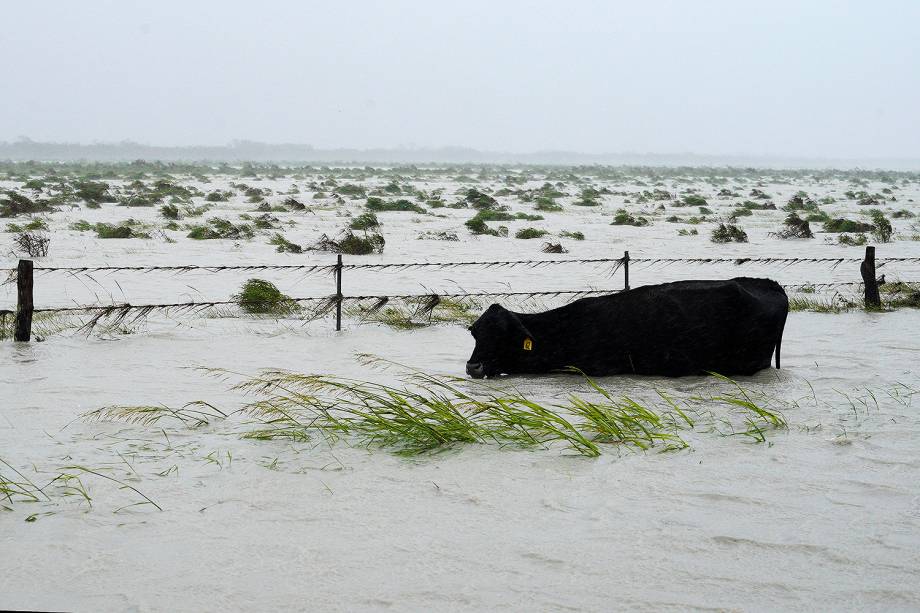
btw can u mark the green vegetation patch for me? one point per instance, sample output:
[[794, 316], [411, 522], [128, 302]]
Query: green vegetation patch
[[15, 204], [795, 227], [259, 296], [624, 218], [379, 204], [217, 228], [727, 233], [104, 230], [527, 233], [425, 413], [34, 225], [283, 245]]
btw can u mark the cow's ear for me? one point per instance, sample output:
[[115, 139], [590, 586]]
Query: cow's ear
[[524, 336]]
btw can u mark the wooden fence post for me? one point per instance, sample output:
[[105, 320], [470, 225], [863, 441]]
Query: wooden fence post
[[24, 304], [338, 294], [867, 270], [626, 267]]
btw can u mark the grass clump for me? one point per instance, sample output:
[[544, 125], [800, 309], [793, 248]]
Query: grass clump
[[36, 225], [801, 202], [578, 236], [294, 204], [353, 244], [349, 243], [727, 233], [550, 247], [217, 228], [16, 204], [795, 227], [104, 230], [479, 200], [692, 200], [819, 217], [261, 297], [195, 211], [545, 203], [588, 197], [218, 196], [93, 193], [169, 211], [527, 233], [283, 245], [846, 225], [494, 215], [379, 204], [365, 221], [855, 240], [624, 218], [881, 227], [82, 226], [740, 212], [352, 190], [478, 225]]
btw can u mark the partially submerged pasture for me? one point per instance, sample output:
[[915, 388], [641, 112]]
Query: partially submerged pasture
[[193, 214]]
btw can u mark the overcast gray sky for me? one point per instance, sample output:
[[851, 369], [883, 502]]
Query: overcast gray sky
[[802, 78]]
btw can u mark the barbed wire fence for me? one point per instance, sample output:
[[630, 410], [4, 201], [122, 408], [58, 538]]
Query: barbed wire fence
[[424, 302]]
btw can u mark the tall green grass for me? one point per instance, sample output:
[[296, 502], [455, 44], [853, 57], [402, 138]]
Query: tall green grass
[[426, 413]]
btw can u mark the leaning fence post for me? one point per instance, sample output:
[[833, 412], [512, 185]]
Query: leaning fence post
[[867, 270], [626, 267], [24, 304], [338, 294]]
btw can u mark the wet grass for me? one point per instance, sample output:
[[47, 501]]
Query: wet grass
[[895, 295], [44, 324], [426, 413], [726, 233], [407, 316], [258, 296], [194, 414], [68, 482]]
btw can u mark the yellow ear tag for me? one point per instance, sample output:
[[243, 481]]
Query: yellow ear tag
[[528, 344]]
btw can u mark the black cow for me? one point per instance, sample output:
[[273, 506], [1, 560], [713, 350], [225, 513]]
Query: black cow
[[674, 329]]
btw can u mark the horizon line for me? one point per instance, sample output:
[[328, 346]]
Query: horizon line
[[19, 150]]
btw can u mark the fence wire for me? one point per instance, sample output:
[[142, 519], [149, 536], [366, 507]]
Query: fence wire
[[399, 266], [333, 299], [322, 305]]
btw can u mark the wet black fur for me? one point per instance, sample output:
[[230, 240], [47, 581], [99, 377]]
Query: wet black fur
[[688, 327]]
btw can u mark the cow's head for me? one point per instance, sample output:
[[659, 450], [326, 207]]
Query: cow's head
[[503, 344]]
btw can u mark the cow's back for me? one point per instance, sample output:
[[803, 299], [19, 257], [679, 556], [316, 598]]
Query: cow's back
[[692, 326], [685, 327]]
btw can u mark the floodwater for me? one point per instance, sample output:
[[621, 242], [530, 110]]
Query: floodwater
[[824, 515]]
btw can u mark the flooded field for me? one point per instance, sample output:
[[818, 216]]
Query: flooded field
[[819, 509]]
